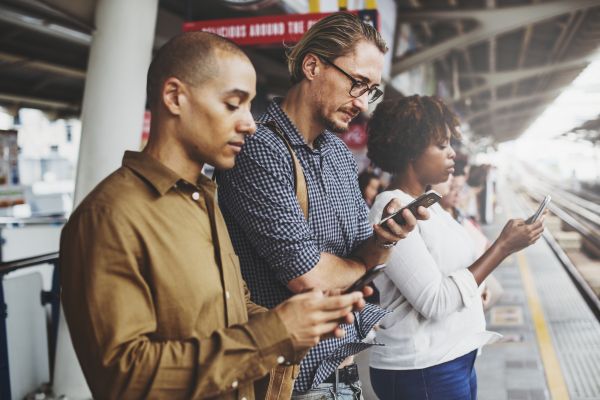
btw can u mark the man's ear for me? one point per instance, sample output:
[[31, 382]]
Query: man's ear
[[311, 66], [173, 91]]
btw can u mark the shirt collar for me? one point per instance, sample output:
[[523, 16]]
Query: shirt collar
[[161, 177], [296, 139], [157, 174]]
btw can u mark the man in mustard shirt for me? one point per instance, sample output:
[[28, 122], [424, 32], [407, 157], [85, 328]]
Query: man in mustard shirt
[[151, 286]]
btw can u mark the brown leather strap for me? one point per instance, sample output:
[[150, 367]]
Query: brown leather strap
[[281, 382], [282, 378], [299, 179]]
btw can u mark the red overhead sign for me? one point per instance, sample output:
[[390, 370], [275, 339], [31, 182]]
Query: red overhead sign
[[272, 29]]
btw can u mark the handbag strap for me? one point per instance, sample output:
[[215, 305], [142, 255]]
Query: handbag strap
[[299, 179]]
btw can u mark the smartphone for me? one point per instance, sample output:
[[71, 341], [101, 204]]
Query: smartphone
[[539, 211], [365, 279], [425, 200]]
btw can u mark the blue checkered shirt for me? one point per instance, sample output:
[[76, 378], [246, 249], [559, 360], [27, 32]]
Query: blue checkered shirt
[[274, 241]]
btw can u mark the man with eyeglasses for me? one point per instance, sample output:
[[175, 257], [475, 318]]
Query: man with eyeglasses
[[335, 71]]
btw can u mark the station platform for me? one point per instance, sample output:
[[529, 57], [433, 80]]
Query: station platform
[[551, 338], [551, 344]]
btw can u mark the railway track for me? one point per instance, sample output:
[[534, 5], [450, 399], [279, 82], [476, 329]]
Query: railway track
[[577, 215]]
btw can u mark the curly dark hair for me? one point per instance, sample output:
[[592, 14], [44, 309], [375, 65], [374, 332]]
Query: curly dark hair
[[402, 128]]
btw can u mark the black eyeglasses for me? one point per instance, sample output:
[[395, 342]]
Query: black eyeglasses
[[358, 88]]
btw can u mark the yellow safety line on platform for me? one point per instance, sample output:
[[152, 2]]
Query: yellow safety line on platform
[[554, 376]]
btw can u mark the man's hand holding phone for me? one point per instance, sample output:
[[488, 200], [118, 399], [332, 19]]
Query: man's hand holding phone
[[311, 316], [361, 283]]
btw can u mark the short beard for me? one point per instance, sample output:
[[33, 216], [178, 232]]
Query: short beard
[[331, 125]]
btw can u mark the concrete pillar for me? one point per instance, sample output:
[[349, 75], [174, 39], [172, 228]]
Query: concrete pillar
[[387, 15], [115, 88], [112, 116]]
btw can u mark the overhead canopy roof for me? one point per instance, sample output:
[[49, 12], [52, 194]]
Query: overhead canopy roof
[[502, 60]]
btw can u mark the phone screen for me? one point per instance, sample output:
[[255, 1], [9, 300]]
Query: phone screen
[[367, 278], [539, 211], [427, 199]]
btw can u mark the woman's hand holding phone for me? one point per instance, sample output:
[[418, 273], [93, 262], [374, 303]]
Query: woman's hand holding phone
[[540, 211], [517, 234]]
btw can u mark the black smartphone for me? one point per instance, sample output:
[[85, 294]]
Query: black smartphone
[[365, 279], [539, 211], [426, 199]]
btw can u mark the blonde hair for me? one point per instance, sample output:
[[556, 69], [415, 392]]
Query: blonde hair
[[334, 36]]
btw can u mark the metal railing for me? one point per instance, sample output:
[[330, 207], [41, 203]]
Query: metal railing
[[51, 297], [52, 219], [9, 266]]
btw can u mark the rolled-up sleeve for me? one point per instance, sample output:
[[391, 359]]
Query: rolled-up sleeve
[[414, 271], [110, 310], [364, 227], [267, 210], [465, 281]]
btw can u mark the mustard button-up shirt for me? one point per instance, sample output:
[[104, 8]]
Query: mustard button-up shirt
[[153, 295]]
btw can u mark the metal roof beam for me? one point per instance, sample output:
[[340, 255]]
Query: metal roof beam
[[496, 79], [499, 104], [491, 22], [37, 102], [13, 17], [502, 122], [511, 114], [43, 65]]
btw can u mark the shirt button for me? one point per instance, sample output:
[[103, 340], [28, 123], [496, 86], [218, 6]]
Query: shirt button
[[227, 295], [280, 360], [234, 384], [195, 195]]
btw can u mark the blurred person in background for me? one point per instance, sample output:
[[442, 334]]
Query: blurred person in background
[[475, 185], [370, 186], [491, 290], [431, 283]]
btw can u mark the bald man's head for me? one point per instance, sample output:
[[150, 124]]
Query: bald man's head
[[190, 57]]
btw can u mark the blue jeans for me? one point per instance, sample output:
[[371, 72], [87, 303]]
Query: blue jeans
[[452, 380], [325, 392]]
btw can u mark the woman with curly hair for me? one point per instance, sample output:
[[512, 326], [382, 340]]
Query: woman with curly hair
[[436, 324]]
